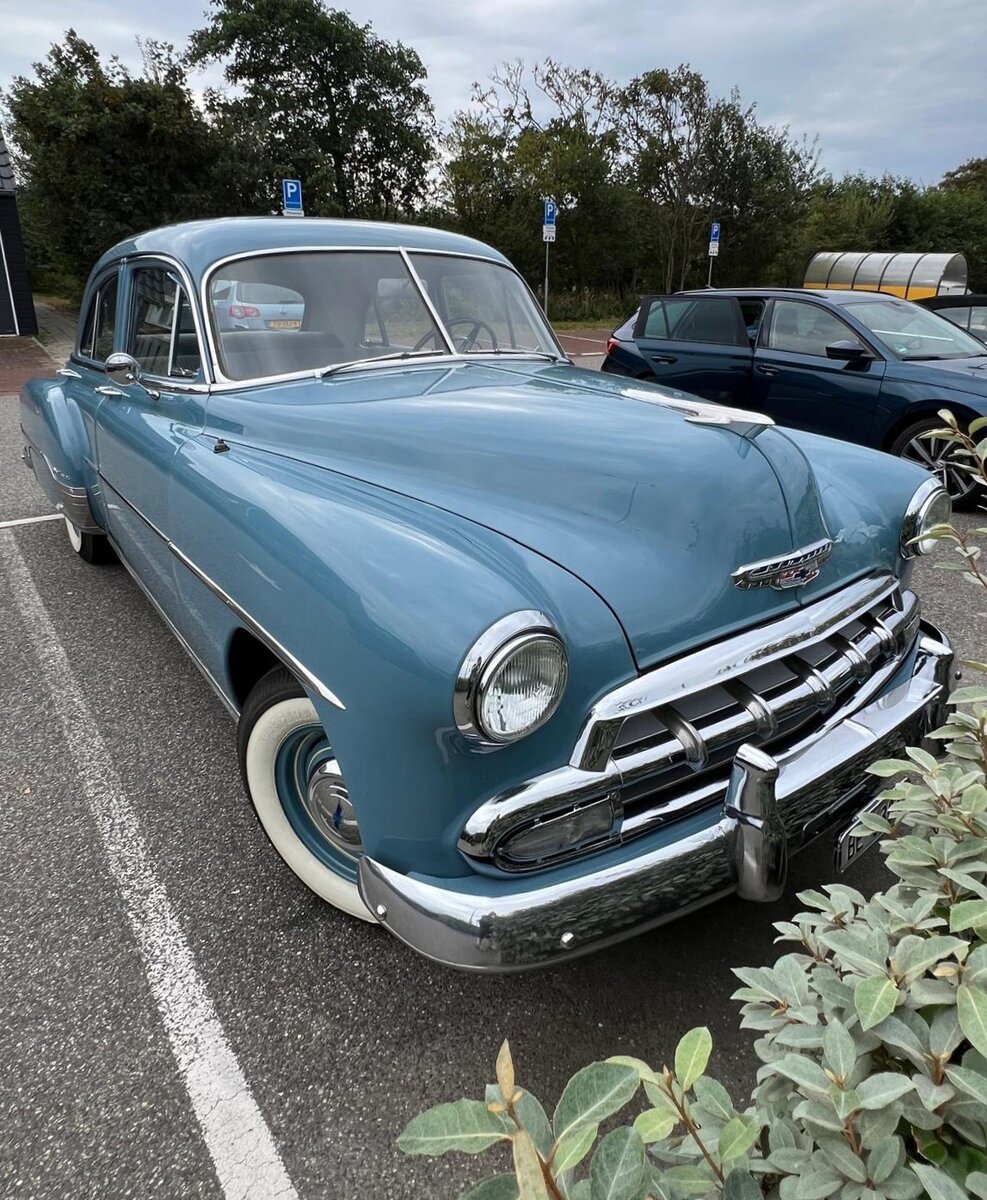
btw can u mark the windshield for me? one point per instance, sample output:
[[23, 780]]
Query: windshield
[[485, 307], [316, 310], [910, 332]]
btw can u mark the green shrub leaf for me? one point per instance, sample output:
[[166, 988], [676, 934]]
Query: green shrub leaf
[[593, 1094], [465, 1125], [740, 1185], [654, 1125], [976, 1184], [874, 999], [691, 1180], [818, 1183], [712, 1096], [803, 1071], [968, 914], [737, 1137], [528, 1168], [938, 1184], [839, 1049], [692, 1055], [971, 1082], [617, 1170], [572, 1148], [972, 1008], [500, 1187], [877, 1091]]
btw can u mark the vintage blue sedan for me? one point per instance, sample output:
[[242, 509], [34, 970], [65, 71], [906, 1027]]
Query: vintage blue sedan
[[525, 659]]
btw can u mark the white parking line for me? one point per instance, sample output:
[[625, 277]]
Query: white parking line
[[31, 520], [247, 1161]]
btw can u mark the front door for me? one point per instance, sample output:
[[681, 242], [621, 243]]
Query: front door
[[797, 384], [697, 343], [140, 428]]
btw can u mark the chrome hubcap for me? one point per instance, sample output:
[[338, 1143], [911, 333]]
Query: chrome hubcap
[[327, 803], [937, 456]]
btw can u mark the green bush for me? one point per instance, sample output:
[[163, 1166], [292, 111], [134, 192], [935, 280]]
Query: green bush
[[871, 1031]]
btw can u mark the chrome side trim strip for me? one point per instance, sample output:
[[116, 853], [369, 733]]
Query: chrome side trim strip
[[203, 669], [69, 499], [255, 627]]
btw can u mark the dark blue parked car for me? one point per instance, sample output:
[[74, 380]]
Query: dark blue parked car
[[861, 366]]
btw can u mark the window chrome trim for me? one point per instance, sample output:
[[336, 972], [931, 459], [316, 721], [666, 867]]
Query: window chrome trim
[[427, 300], [477, 661], [255, 627], [183, 385], [922, 500], [222, 383]]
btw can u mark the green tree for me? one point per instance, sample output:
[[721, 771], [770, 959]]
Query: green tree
[[102, 153], [329, 101]]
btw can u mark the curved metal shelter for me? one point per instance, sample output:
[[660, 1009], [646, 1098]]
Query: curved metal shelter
[[912, 276]]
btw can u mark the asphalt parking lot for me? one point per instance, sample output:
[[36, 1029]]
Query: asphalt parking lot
[[182, 1018]]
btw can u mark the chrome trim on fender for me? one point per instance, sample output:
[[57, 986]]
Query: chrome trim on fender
[[918, 506], [469, 677], [501, 925], [255, 627], [69, 499], [741, 420]]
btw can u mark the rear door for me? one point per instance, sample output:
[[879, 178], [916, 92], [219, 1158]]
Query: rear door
[[795, 382], [697, 343]]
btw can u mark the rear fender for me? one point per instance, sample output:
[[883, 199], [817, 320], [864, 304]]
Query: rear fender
[[57, 450]]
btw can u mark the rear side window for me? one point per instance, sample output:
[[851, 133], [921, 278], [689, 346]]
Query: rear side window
[[710, 319], [161, 333], [96, 342]]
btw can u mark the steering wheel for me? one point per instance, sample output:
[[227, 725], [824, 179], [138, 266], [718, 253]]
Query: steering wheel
[[468, 341]]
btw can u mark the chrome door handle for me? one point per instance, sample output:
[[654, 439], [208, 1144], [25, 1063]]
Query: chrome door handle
[[68, 373], [766, 370], [108, 391], [665, 359]]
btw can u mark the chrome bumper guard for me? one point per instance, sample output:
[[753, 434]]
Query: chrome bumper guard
[[772, 805]]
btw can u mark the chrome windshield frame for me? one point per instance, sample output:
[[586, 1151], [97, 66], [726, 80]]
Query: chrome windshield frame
[[448, 354]]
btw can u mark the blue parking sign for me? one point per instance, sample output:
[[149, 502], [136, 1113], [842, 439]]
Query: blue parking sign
[[714, 232], [291, 198], [550, 211]]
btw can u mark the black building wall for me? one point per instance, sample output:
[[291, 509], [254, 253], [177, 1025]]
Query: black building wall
[[13, 253]]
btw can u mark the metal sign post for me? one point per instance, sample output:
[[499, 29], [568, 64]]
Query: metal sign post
[[548, 236], [714, 249], [291, 198]]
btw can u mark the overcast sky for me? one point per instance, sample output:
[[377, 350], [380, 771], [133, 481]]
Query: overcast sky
[[888, 85]]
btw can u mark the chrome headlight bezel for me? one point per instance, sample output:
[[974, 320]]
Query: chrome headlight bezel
[[483, 661], [918, 517]]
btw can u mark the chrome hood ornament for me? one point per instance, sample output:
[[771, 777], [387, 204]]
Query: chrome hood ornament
[[793, 571]]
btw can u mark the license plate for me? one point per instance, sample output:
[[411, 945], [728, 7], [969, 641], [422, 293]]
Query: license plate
[[284, 324], [850, 848]]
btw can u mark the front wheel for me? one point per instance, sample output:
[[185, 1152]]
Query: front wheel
[[92, 548], [939, 457], [296, 785]]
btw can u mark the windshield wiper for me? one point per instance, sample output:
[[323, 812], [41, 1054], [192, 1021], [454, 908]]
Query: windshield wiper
[[547, 354], [397, 356]]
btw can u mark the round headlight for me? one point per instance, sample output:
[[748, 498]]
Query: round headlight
[[930, 506], [521, 686]]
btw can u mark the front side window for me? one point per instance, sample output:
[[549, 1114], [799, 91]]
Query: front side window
[[709, 319], [96, 341], [161, 334], [913, 333], [801, 328]]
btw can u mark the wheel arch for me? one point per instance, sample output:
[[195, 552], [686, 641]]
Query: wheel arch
[[922, 410], [248, 660]]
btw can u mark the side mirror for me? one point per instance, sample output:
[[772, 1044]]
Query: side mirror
[[123, 370], [847, 351]]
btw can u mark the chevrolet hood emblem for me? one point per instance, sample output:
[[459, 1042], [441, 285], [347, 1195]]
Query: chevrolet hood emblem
[[794, 570]]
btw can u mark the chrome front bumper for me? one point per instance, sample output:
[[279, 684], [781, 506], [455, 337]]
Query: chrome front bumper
[[481, 923]]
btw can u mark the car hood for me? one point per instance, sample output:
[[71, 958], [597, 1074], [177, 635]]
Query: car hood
[[652, 511], [965, 374]]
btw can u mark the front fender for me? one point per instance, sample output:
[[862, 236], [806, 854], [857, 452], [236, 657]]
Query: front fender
[[380, 597]]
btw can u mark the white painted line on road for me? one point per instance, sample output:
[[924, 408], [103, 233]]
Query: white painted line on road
[[573, 337], [247, 1161], [31, 520]]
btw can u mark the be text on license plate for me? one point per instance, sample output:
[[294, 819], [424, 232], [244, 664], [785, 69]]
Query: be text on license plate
[[850, 848]]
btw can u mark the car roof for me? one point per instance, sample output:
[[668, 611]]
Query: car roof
[[825, 295], [199, 244]]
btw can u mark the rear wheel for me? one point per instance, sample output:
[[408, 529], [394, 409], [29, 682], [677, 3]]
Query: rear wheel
[[939, 457], [296, 786], [94, 548]]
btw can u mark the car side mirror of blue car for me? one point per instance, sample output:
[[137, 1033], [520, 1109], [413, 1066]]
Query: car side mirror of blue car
[[847, 350]]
